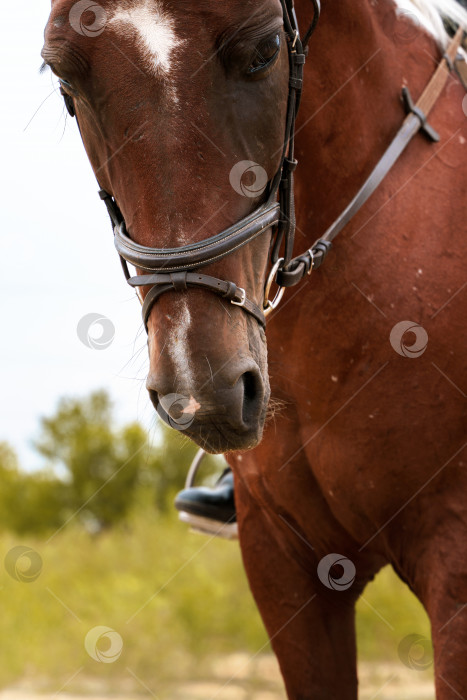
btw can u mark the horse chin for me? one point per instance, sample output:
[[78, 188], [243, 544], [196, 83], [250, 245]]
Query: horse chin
[[222, 439], [216, 435]]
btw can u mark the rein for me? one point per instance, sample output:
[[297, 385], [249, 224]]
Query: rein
[[416, 120], [178, 268]]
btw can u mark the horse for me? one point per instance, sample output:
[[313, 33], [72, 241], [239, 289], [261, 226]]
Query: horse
[[344, 422]]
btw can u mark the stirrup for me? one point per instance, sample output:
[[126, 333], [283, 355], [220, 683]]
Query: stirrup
[[208, 526], [201, 525]]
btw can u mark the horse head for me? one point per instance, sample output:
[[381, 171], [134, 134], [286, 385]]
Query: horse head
[[182, 109]]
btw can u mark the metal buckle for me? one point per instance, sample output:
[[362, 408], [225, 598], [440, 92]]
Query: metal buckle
[[242, 300], [269, 305], [295, 40]]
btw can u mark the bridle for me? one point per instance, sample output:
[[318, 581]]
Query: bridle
[[179, 268]]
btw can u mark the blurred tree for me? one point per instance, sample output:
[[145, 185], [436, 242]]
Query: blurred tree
[[95, 471], [102, 465], [8, 458], [28, 502], [168, 465]]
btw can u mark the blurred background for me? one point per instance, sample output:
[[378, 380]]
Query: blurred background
[[103, 592]]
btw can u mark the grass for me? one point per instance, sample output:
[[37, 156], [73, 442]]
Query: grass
[[386, 613], [175, 599]]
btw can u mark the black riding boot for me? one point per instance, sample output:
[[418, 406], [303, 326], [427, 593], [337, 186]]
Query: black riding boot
[[210, 510]]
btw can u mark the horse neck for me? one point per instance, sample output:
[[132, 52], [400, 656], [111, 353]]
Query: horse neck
[[351, 105]]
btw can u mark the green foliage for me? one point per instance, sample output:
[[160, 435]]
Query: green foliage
[[168, 463], [386, 613], [95, 471], [28, 503], [102, 464], [174, 598], [8, 458]]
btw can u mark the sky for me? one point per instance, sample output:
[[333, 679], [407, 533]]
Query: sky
[[59, 263]]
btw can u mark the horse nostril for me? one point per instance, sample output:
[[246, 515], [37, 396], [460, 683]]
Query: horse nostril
[[252, 396], [249, 386], [236, 401], [154, 397]]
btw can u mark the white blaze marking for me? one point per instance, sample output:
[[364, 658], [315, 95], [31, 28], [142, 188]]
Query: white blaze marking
[[156, 34], [178, 345], [192, 406]]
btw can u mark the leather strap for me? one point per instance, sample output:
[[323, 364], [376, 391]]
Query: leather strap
[[415, 121], [286, 229], [316, 14], [201, 253], [181, 281], [460, 66]]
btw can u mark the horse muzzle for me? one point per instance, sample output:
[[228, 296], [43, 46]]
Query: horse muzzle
[[224, 413]]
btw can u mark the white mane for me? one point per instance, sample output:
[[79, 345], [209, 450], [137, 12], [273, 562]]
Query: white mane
[[429, 14]]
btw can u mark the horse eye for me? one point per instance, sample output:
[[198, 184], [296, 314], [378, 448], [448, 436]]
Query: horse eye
[[265, 53], [65, 85]]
